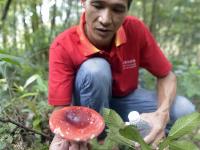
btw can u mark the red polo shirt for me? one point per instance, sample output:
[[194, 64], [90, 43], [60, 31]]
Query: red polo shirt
[[134, 47]]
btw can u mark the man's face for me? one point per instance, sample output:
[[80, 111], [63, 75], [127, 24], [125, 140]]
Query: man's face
[[103, 19]]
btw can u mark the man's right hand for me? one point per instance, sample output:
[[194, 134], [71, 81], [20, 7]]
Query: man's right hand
[[59, 143]]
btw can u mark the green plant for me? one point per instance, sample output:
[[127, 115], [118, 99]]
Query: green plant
[[23, 101], [188, 80], [119, 134]]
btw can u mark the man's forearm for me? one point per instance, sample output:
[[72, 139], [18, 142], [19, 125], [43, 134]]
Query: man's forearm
[[166, 88]]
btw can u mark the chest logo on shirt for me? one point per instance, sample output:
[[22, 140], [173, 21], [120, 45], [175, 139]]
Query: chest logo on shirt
[[129, 64]]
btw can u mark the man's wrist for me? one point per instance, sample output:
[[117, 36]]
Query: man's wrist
[[163, 110], [164, 106], [165, 113]]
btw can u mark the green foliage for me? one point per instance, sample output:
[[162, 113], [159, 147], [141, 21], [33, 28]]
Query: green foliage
[[25, 101], [177, 25], [114, 123], [114, 138], [108, 144], [196, 137], [112, 119], [10, 59], [119, 134], [131, 133], [184, 126], [189, 80], [182, 145]]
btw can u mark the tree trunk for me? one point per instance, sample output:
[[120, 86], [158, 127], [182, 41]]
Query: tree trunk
[[144, 15], [4, 15], [152, 25], [4, 38], [77, 11], [26, 30], [53, 20], [34, 17], [5, 10], [68, 11], [41, 20], [14, 26]]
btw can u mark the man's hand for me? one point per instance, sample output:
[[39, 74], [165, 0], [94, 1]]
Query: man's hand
[[166, 91], [59, 143], [158, 121]]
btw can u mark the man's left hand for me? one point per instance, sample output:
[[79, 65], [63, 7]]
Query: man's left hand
[[158, 121]]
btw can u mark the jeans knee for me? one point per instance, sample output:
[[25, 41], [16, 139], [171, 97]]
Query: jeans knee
[[93, 84], [98, 69], [181, 107], [94, 73]]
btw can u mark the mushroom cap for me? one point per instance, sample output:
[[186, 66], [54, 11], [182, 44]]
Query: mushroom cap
[[76, 123]]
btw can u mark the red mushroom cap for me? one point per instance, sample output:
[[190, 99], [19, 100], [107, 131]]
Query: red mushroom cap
[[76, 123]]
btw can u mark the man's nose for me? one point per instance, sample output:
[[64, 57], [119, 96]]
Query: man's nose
[[105, 17]]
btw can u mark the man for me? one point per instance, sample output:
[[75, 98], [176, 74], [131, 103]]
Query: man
[[97, 63]]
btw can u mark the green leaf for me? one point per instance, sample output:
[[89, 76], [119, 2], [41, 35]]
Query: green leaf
[[114, 123], [196, 137], [31, 105], [41, 84], [9, 139], [117, 138], [36, 123], [131, 133], [11, 59], [182, 145], [108, 144], [1, 1], [2, 51], [94, 143], [112, 119], [31, 80], [2, 145], [164, 143], [184, 125], [28, 95]]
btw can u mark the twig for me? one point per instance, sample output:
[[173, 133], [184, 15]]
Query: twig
[[9, 120]]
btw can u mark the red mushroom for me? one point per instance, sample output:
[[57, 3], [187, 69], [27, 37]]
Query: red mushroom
[[76, 123]]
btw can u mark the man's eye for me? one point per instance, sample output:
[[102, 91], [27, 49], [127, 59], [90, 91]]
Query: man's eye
[[119, 10], [97, 6]]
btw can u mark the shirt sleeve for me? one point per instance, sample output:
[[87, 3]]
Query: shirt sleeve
[[151, 55], [61, 76]]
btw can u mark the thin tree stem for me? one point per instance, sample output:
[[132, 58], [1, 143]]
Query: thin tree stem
[[9, 120]]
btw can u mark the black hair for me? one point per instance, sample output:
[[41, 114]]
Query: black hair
[[129, 3]]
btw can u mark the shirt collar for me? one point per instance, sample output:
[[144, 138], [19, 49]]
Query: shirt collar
[[88, 48]]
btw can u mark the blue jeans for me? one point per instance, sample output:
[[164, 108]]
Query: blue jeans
[[93, 88]]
